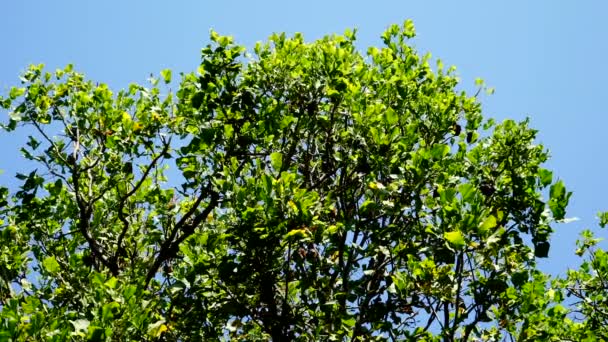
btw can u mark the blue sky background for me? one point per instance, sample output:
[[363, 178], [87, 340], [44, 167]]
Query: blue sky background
[[545, 59]]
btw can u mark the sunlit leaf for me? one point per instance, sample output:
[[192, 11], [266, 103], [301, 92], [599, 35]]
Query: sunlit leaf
[[455, 238]]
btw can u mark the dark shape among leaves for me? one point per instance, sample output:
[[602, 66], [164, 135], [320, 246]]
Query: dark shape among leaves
[[306, 193]]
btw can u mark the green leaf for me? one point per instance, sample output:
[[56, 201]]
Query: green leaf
[[228, 131], [50, 264], [111, 283], [603, 216], [546, 176], [408, 29], [16, 92], [108, 310], [391, 116], [367, 206], [157, 328], [166, 75], [399, 281], [95, 333], [296, 233], [487, 224], [332, 229], [276, 160], [439, 151], [350, 322], [455, 238], [557, 190], [558, 200], [467, 191]]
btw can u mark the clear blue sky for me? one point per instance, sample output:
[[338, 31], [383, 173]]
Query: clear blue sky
[[545, 59]]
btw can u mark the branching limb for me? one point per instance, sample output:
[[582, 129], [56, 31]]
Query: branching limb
[[123, 200]]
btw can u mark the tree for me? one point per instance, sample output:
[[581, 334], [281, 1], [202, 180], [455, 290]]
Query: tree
[[304, 192]]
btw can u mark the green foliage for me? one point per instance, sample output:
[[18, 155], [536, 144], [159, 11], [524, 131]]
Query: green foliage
[[305, 192], [603, 216]]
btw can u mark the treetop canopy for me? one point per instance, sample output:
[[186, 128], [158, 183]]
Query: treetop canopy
[[303, 191]]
